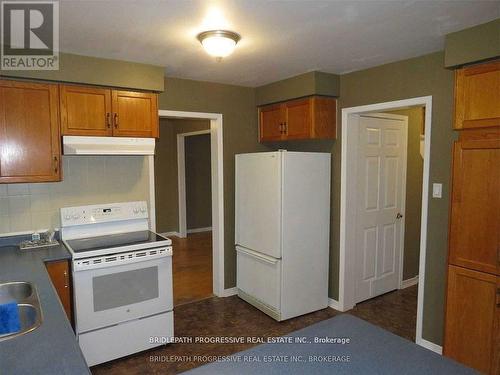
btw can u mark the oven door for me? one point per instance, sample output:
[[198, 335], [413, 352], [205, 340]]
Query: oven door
[[127, 287]]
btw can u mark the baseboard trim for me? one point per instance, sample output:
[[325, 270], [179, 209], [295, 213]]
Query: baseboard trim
[[167, 234], [431, 346], [229, 292], [334, 304], [409, 282], [198, 230]]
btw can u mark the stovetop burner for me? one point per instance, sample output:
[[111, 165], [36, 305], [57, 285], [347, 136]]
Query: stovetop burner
[[111, 241]]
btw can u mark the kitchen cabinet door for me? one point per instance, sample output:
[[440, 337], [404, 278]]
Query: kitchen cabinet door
[[30, 148], [477, 96], [475, 204], [59, 274], [313, 117], [85, 111], [324, 111], [298, 121], [471, 318], [135, 114], [271, 123]]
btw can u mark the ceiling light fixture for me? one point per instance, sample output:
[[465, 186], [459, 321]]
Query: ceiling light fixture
[[218, 43]]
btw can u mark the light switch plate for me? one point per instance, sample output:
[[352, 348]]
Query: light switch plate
[[437, 190]]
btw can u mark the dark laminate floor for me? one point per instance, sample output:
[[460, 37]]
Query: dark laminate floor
[[192, 267], [395, 311]]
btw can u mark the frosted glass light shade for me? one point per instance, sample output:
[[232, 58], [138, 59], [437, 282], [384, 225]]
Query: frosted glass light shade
[[219, 43]]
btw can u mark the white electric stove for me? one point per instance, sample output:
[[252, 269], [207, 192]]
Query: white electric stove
[[122, 278]]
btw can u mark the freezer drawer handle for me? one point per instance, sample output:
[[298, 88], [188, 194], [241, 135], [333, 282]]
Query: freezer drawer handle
[[257, 255]]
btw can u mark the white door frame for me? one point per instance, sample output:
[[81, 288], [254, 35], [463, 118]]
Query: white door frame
[[181, 178], [217, 191], [346, 259]]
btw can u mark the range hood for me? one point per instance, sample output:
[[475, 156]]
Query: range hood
[[76, 145]]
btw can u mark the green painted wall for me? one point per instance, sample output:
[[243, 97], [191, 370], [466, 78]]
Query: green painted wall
[[471, 45], [166, 186], [406, 79], [415, 77], [411, 78], [98, 71], [311, 83], [237, 105], [198, 182], [413, 203]]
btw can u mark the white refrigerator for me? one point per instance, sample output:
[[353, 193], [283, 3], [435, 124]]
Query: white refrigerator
[[282, 231]]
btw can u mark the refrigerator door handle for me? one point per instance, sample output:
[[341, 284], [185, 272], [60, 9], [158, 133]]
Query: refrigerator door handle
[[255, 254]]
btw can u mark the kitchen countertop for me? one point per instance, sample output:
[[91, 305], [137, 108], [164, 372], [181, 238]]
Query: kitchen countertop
[[51, 348]]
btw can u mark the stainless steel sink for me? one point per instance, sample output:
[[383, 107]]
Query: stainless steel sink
[[26, 297], [18, 290]]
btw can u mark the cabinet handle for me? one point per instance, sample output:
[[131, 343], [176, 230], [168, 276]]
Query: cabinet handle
[[116, 120], [281, 128], [285, 130], [66, 279], [108, 120], [56, 164], [498, 297]]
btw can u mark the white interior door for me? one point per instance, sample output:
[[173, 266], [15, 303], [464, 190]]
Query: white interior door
[[381, 183], [258, 202]]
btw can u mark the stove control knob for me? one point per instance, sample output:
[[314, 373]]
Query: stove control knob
[[143, 209], [76, 216], [136, 210], [67, 217]]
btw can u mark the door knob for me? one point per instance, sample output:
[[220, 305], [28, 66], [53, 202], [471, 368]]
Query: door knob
[[399, 215]]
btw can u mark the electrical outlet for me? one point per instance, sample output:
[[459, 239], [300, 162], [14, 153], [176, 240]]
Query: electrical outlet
[[437, 190]]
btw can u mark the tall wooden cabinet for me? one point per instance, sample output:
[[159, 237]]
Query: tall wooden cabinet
[[477, 96], [30, 148], [475, 204], [472, 326], [471, 319]]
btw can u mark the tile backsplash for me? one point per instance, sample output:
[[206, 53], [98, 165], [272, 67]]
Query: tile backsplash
[[86, 180]]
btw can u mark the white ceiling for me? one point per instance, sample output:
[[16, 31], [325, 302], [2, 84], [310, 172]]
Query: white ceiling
[[280, 39]]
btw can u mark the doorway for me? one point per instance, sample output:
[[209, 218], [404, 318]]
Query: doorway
[[194, 185], [216, 240], [355, 199]]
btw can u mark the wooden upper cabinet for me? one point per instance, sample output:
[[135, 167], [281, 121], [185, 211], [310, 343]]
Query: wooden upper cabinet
[[472, 313], [135, 114], [271, 123], [477, 96], [94, 111], [313, 117], [475, 221], [85, 110], [30, 148]]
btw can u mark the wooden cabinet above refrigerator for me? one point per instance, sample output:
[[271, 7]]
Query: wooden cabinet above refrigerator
[[313, 117]]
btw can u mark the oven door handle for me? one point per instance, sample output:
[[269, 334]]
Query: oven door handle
[[121, 259]]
